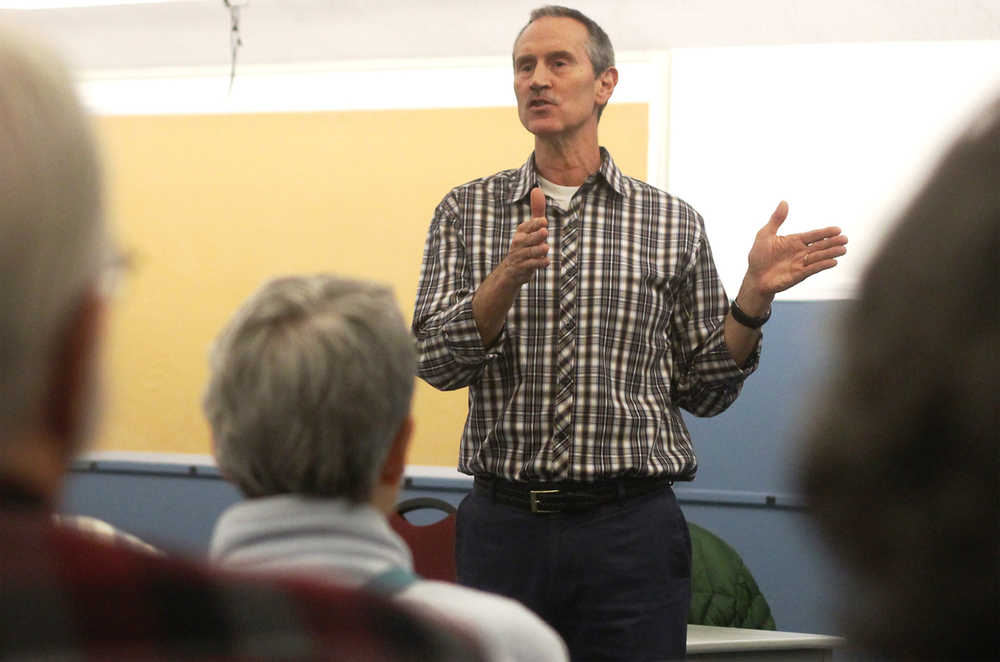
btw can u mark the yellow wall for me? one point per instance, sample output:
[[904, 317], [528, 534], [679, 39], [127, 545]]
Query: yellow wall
[[210, 206]]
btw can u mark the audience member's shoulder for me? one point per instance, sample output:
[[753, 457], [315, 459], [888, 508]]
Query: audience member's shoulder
[[133, 605], [509, 630], [101, 530]]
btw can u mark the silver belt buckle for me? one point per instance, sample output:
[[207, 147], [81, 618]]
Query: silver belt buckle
[[533, 496]]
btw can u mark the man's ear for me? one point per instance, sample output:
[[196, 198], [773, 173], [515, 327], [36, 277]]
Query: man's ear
[[395, 462], [71, 397], [606, 83]]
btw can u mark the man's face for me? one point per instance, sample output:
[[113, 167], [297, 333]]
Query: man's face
[[554, 80]]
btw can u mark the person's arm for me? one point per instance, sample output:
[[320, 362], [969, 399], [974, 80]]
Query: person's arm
[[704, 379], [777, 263], [449, 351], [456, 328], [528, 253], [711, 360]]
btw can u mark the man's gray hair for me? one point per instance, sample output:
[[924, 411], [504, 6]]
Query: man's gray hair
[[599, 48], [52, 235], [310, 381]]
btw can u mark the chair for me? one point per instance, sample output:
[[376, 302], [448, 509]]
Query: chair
[[433, 545], [723, 591]]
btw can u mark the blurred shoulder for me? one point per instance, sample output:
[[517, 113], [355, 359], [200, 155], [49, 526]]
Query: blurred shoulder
[[509, 629]]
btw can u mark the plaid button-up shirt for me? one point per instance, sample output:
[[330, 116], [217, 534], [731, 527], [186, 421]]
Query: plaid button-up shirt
[[601, 348]]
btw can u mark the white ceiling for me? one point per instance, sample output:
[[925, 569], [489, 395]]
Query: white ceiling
[[195, 33]]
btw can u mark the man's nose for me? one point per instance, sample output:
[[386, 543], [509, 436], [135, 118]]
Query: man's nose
[[540, 79], [537, 85]]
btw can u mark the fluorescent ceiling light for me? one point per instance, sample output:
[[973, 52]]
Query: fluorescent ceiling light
[[62, 4]]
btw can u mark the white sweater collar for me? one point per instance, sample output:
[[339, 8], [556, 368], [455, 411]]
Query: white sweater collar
[[350, 542]]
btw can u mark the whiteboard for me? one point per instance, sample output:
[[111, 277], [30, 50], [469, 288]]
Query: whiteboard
[[844, 132]]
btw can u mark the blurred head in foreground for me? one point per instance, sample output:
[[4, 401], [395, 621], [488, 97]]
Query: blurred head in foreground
[[901, 466], [65, 595], [52, 254]]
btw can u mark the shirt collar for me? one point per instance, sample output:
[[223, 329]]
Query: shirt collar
[[526, 178], [346, 532]]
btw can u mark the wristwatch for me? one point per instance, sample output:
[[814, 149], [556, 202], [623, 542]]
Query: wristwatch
[[747, 320]]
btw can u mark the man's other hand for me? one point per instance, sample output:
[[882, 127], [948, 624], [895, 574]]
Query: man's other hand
[[779, 262]]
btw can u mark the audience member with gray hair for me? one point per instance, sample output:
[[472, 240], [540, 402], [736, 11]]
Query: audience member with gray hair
[[64, 594], [309, 404], [310, 383]]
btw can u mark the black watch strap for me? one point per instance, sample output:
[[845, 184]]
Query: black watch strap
[[747, 320]]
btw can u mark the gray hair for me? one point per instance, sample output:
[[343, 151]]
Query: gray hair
[[599, 48], [310, 381], [52, 236]]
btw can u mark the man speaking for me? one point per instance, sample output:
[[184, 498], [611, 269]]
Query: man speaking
[[583, 310]]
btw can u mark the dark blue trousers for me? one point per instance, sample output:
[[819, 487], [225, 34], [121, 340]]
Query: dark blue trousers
[[615, 582]]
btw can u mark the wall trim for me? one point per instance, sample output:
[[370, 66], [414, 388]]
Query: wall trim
[[418, 477]]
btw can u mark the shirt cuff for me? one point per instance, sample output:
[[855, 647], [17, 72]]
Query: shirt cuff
[[461, 336], [722, 366]]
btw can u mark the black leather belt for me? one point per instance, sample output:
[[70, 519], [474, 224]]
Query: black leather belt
[[564, 497]]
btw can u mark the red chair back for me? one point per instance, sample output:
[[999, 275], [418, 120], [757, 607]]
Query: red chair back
[[433, 545]]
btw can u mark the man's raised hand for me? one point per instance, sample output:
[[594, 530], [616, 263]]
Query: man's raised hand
[[529, 248], [780, 262]]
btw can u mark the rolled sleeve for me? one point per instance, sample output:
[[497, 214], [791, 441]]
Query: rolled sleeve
[[708, 378], [715, 361], [451, 351]]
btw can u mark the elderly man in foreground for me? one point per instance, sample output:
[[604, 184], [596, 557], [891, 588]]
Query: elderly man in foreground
[[309, 403]]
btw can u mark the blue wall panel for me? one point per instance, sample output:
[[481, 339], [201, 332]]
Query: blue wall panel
[[751, 446]]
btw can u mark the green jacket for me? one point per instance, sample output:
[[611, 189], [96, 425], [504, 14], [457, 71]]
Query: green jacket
[[723, 592]]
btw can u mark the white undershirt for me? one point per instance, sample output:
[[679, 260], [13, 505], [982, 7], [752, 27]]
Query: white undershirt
[[561, 194]]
